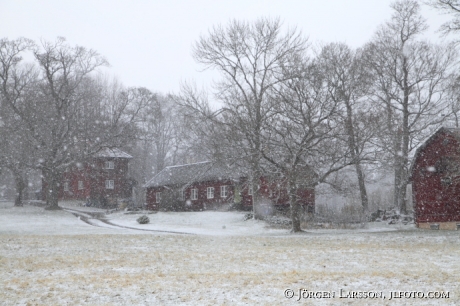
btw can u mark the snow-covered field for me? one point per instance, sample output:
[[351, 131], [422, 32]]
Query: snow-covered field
[[54, 258]]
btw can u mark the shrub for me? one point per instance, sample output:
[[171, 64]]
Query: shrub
[[143, 219]]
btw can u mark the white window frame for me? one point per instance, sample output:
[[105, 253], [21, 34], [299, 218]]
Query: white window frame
[[210, 192], [182, 195], [250, 190], [81, 185], [109, 164], [194, 194], [66, 186], [157, 197], [109, 184], [224, 191]]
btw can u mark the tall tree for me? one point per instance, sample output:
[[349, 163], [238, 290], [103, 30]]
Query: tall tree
[[305, 140], [15, 150], [349, 84], [411, 77], [159, 124], [250, 58], [68, 115], [451, 7], [16, 153]]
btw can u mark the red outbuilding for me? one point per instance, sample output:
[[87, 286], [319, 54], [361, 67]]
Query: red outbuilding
[[102, 181], [205, 185], [435, 176]]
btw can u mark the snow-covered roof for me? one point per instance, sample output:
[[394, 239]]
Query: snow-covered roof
[[189, 173], [113, 152]]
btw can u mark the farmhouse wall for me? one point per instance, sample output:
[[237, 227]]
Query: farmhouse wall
[[273, 192], [436, 180]]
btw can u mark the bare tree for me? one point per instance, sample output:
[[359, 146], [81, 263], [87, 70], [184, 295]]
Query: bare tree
[[159, 135], [410, 83], [68, 115], [305, 141], [211, 134], [251, 58], [453, 96], [349, 84], [450, 7], [16, 153], [15, 149]]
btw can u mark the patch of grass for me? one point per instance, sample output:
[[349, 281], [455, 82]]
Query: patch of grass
[[93, 269]]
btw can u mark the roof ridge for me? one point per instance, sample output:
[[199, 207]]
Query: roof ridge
[[176, 166]]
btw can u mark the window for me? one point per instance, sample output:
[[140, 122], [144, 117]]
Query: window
[[158, 197], [80, 185], [109, 165], [210, 192], [66, 186], [194, 194], [250, 190], [109, 184], [446, 181], [223, 191]]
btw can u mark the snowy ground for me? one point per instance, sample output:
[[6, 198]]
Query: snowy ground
[[54, 258]]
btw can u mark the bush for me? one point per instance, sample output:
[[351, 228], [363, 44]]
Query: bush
[[143, 219]]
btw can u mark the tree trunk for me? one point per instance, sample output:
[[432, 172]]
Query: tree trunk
[[362, 187], [52, 189], [355, 156], [255, 180], [402, 198], [405, 142], [20, 186], [295, 207], [397, 169], [159, 157]]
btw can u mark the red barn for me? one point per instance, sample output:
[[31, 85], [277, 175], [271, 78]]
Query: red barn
[[435, 176], [103, 180], [207, 186]]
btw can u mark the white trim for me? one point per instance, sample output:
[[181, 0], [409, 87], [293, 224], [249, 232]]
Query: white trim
[[224, 191], [157, 197], [210, 192], [109, 164], [109, 184], [250, 190], [194, 194], [66, 186], [81, 185]]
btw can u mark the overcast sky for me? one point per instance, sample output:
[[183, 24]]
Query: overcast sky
[[148, 42]]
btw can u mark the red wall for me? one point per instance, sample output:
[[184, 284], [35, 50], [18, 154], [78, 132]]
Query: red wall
[[278, 198], [150, 198], [433, 200], [94, 176], [203, 202], [279, 195]]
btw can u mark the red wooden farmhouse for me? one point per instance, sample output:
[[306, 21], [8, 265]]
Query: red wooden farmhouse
[[103, 180], [204, 185], [435, 176]]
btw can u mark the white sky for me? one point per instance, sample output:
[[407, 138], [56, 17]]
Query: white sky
[[148, 42]]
